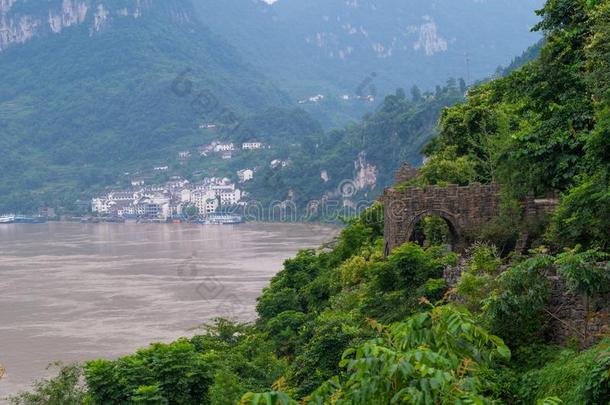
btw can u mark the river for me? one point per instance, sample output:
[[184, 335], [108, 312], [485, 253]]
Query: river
[[72, 292]]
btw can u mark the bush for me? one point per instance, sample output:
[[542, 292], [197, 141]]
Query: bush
[[515, 308], [574, 378], [283, 330], [583, 216], [353, 271], [318, 358], [447, 168], [479, 276], [172, 373], [393, 291], [433, 356], [65, 389], [227, 388], [584, 272], [273, 303]]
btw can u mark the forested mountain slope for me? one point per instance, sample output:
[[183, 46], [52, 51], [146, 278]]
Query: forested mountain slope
[[90, 89], [362, 156]]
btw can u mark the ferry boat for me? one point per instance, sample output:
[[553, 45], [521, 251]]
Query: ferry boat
[[7, 219], [222, 219], [90, 220], [143, 220], [23, 219], [114, 220]]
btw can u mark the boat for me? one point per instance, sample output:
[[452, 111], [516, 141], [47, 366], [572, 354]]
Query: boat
[[222, 219], [90, 220], [23, 219], [7, 219], [143, 220], [114, 220]]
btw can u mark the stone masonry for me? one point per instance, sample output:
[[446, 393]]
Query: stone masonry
[[568, 315], [575, 316], [463, 207]]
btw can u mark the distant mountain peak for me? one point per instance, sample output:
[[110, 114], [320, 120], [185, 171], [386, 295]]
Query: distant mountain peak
[[330, 45]]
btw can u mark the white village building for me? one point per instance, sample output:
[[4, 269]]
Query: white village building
[[251, 145], [205, 201], [245, 175], [224, 147]]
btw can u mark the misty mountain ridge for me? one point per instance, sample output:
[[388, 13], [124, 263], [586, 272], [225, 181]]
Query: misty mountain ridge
[[337, 44]]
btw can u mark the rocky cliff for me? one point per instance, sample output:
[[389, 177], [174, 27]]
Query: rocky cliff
[[20, 21]]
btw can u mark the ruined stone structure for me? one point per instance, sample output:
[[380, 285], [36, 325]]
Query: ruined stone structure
[[575, 316], [463, 207], [405, 173], [535, 208], [569, 315]]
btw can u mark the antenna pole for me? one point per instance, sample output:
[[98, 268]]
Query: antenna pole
[[467, 68]]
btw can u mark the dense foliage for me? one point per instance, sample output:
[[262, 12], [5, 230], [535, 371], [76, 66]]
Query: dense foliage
[[316, 339], [543, 127], [434, 356], [395, 133]]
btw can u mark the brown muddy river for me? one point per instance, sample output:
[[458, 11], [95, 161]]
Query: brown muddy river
[[73, 292]]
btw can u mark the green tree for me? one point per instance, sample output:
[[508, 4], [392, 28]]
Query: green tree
[[515, 308], [64, 389], [175, 373], [431, 357]]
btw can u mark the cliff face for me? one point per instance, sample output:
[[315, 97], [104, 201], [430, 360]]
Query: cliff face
[[365, 173], [20, 21]]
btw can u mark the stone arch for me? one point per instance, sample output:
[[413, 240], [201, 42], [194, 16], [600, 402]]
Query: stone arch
[[450, 219], [464, 208]]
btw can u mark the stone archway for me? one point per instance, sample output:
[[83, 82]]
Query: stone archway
[[463, 207]]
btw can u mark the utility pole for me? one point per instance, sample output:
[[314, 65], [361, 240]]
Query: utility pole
[[467, 68]]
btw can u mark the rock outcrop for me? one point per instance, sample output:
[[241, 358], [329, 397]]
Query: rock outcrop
[[19, 25]]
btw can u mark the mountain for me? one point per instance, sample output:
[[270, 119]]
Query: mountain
[[349, 47], [92, 88], [350, 323], [353, 165]]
